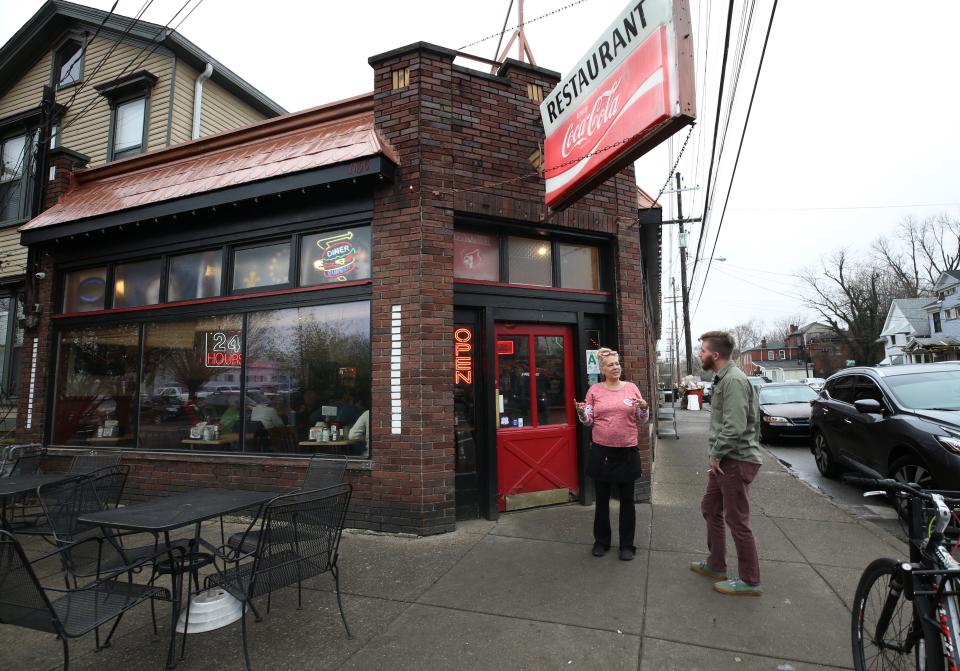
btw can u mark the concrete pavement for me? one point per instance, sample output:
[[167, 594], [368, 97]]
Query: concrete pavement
[[525, 593]]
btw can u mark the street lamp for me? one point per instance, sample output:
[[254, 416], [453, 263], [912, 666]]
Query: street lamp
[[715, 258]]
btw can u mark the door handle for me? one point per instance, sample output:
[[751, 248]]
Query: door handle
[[847, 420]]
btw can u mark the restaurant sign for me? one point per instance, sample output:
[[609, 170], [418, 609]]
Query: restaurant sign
[[463, 356], [222, 349], [338, 257], [632, 90]]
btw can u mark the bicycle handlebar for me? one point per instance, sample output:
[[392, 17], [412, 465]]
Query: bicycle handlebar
[[890, 486]]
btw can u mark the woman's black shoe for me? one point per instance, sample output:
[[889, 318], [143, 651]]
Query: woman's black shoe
[[626, 554], [599, 549]]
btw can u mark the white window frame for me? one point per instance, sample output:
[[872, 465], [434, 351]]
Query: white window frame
[[771, 355]]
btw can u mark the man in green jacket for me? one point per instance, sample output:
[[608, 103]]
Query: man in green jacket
[[733, 462]]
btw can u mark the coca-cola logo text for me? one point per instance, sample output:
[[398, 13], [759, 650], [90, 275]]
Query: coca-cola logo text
[[603, 111]]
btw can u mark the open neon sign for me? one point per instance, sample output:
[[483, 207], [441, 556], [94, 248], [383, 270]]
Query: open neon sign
[[463, 355]]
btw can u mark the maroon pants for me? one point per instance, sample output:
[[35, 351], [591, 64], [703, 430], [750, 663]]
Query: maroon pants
[[727, 499]]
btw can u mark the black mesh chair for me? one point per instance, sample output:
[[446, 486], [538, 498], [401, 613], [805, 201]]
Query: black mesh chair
[[85, 463], [298, 538], [28, 458], [322, 472], [66, 612]]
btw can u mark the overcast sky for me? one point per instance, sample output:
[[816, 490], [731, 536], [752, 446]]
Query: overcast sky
[[856, 111]]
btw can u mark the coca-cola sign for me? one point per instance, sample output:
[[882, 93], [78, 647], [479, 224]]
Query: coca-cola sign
[[632, 89]]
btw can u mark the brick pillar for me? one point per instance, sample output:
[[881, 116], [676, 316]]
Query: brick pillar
[[62, 164], [413, 477]]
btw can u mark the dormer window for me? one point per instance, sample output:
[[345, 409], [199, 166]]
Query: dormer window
[[129, 98], [69, 64]]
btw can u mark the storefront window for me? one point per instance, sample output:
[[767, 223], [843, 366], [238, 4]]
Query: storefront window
[[308, 378], [191, 372], [530, 261], [136, 284], [335, 256], [579, 266], [265, 266], [85, 290], [96, 386], [195, 276], [476, 256]]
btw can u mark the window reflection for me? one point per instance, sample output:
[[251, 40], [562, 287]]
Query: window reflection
[[513, 361], [551, 398], [190, 380], [85, 290], [136, 284], [195, 276], [335, 256], [261, 266], [308, 378], [579, 266], [96, 386]]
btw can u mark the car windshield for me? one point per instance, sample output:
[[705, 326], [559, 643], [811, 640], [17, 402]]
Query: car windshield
[[936, 390], [794, 393]]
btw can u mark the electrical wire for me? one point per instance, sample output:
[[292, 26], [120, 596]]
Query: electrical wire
[[743, 134], [525, 23]]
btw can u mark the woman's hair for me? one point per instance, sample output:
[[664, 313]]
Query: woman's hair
[[602, 354]]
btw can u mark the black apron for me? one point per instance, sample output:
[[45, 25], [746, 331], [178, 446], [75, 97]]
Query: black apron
[[613, 464]]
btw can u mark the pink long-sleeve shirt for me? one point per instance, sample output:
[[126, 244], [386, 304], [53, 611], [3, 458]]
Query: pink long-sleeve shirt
[[613, 415]]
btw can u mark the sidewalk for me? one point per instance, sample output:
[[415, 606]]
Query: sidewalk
[[525, 593]]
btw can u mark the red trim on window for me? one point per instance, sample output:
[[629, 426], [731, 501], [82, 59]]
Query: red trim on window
[[532, 286], [216, 299]]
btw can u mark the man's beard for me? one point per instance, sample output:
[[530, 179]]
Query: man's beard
[[707, 365]]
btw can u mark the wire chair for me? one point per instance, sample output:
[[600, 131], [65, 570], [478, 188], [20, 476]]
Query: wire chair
[[24, 601], [85, 463], [12, 453], [299, 538], [29, 458], [322, 472]]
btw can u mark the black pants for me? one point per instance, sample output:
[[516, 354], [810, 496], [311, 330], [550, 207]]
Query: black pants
[[628, 515]]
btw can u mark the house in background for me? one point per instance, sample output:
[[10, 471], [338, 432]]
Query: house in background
[[812, 350], [82, 87], [907, 319], [778, 360], [943, 318]]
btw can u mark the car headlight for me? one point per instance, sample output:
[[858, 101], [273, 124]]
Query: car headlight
[[775, 420], [950, 443]]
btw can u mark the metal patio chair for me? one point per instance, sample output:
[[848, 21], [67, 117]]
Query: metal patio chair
[[85, 463], [66, 612], [322, 472], [299, 538], [11, 453], [27, 459]]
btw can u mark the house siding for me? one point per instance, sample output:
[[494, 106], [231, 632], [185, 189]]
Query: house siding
[[28, 92], [221, 110], [182, 120], [13, 256]]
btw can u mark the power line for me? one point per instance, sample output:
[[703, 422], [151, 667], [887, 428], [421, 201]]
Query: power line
[[839, 207], [519, 25], [716, 128], [736, 162]]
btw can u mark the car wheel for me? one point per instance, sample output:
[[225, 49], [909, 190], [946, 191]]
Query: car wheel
[[912, 469], [765, 435], [824, 457]]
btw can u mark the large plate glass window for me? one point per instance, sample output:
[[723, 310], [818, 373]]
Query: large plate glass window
[[195, 276], [85, 290], [476, 256], [335, 256], [579, 266], [265, 266], [13, 156], [530, 261], [97, 386], [191, 379], [128, 127], [308, 374], [136, 284]]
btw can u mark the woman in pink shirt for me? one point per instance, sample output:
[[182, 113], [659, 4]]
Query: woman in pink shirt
[[613, 408]]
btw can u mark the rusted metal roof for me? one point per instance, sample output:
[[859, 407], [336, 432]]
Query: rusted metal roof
[[319, 137], [645, 201]]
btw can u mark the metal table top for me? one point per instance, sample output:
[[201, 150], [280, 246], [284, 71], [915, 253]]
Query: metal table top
[[178, 510], [24, 484]]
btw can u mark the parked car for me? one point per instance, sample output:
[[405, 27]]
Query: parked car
[[758, 380], [785, 410], [815, 383], [707, 391], [897, 421]]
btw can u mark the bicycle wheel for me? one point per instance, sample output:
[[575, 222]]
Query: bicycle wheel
[[904, 644]]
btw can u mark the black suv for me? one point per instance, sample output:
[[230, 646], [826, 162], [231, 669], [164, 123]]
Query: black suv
[[895, 421]]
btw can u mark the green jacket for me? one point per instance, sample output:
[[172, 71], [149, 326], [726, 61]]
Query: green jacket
[[734, 417]]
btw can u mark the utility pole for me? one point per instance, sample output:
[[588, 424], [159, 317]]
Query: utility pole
[[676, 335], [683, 281]]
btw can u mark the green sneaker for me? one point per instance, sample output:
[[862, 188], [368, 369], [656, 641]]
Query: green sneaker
[[702, 568], [736, 587]]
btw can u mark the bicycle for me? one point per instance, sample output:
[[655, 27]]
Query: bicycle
[[906, 609]]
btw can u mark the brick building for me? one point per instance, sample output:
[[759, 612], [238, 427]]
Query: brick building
[[383, 266]]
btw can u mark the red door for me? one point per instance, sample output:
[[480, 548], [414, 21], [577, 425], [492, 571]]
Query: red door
[[536, 424]]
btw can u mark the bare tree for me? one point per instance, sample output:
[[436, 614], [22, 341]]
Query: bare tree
[[919, 251], [780, 329], [746, 335], [853, 299]]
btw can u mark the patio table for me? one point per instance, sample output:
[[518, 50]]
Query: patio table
[[18, 485], [163, 515]]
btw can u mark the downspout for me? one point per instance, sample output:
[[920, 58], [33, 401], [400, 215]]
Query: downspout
[[198, 99]]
